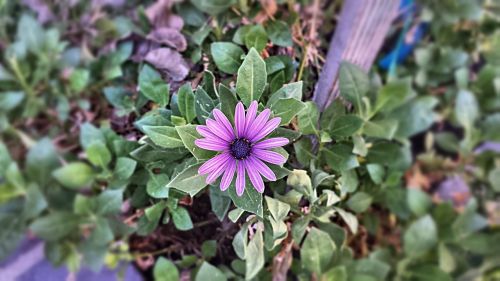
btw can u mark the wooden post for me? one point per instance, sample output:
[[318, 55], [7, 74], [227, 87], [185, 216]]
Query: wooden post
[[362, 28]]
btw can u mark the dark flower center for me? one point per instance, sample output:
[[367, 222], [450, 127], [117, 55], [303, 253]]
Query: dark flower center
[[240, 148]]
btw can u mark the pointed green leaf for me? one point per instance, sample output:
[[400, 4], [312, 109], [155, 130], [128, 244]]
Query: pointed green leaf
[[251, 78]]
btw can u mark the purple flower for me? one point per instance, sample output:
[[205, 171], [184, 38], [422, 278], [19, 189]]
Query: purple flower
[[242, 148]]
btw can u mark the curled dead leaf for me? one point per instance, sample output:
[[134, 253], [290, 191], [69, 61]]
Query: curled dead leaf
[[169, 62], [159, 15], [170, 37]]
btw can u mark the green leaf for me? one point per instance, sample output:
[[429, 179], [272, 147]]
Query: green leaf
[[227, 56], [98, 154], [390, 154], [250, 201], [376, 172], [4, 74], [235, 214], [164, 136], [331, 113], [155, 117], [346, 125], [209, 84], [209, 248], [428, 272], [220, 202], [317, 251], [35, 202], [213, 7], [303, 151], [394, 94], [415, 116], [109, 202], [120, 98], [300, 181], [349, 181], [124, 168], [274, 233], [90, 134], [30, 33], [359, 202], [240, 241], [79, 79], [189, 180], [288, 91], [349, 219], [188, 135], [55, 226], [494, 179], [278, 209], [75, 175], [256, 37], [418, 201], [287, 109], [338, 273], [41, 160], [286, 102], [340, 158], [308, 119], [420, 237], [252, 78], [228, 101], [13, 228], [466, 109], [203, 105], [181, 218], [255, 255], [277, 81], [279, 33], [186, 102], [385, 128], [299, 228], [157, 186], [354, 84], [209, 272], [153, 87], [165, 270], [9, 100], [273, 65]]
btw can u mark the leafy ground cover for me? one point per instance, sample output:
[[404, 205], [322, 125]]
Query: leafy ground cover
[[398, 179]]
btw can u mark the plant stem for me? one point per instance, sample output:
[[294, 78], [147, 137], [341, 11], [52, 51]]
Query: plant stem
[[20, 78]]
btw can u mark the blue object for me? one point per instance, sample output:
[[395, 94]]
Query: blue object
[[403, 49]]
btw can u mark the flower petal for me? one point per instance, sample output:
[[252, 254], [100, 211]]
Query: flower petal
[[216, 173], [222, 119], [250, 117], [205, 132], [258, 124], [268, 128], [219, 130], [227, 178], [239, 120], [212, 144], [213, 163], [255, 177], [269, 156], [262, 168], [240, 178], [271, 143]]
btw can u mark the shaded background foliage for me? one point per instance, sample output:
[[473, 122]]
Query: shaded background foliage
[[397, 179]]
